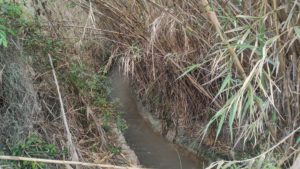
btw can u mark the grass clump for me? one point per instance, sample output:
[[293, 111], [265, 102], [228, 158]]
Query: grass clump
[[33, 146], [115, 150]]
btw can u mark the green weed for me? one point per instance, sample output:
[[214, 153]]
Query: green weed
[[10, 21], [33, 146], [115, 150], [95, 88], [121, 123]]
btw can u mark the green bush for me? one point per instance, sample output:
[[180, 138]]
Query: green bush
[[10, 21], [34, 146]]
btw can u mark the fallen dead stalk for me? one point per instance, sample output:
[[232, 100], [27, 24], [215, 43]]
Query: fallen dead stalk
[[72, 148], [16, 158]]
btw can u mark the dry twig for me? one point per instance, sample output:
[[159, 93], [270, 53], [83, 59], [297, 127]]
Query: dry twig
[[15, 158], [71, 145]]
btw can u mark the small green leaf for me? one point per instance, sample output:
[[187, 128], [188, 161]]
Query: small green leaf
[[297, 31], [3, 39], [259, 101], [274, 117], [232, 116], [188, 70], [71, 4], [248, 105], [213, 119], [220, 125], [225, 83]]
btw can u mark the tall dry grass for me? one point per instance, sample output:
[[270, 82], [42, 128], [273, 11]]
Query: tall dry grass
[[231, 65]]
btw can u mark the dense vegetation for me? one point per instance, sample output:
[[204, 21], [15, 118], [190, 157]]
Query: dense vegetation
[[224, 74], [232, 66], [31, 122]]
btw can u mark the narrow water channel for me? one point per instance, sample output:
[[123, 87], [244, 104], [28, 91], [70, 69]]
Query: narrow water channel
[[152, 150]]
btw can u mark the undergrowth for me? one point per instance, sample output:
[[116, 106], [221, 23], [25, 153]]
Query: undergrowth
[[33, 146], [18, 98], [95, 87], [91, 114], [225, 72], [10, 22]]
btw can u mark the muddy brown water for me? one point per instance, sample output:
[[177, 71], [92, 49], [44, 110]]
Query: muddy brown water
[[152, 150]]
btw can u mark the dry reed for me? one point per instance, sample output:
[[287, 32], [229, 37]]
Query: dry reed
[[233, 66]]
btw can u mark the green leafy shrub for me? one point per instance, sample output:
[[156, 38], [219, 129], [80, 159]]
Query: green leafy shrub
[[11, 21], [33, 146]]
